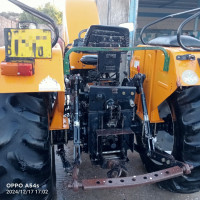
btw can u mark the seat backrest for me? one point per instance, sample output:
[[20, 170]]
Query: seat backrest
[[106, 36]]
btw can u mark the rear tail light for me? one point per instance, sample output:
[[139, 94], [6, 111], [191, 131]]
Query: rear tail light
[[17, 69]]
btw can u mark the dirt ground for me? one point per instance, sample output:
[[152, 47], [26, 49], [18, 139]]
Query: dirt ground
[[134, 167]]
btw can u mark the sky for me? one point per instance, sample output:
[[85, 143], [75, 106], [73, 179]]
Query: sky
[[6, 6]]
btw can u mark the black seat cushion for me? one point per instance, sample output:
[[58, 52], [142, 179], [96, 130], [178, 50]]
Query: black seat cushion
[[171, 41], [90, 59]]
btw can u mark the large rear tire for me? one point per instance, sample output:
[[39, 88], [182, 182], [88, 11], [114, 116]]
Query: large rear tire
[[186, 148], [26, 155]]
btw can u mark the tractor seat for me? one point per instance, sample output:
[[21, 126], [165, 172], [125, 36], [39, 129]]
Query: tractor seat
[[171, 41], [106, 36], [90, 59]]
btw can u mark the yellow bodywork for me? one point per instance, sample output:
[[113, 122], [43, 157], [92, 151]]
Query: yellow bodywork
[[79, 15], [48, 77], [159, 84], [58, 121]]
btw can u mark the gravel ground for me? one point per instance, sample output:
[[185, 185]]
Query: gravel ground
[[134, 167]]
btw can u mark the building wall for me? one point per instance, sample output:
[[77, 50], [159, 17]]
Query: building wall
[[115, 12], [5, 23]]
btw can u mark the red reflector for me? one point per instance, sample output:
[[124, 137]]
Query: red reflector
[[25, 69], [17, 69], [138, 69]]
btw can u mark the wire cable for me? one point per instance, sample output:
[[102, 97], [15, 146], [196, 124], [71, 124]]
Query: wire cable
[[39, 15]]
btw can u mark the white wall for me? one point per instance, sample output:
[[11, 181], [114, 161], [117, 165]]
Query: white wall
[[118, 12], [5, 23]]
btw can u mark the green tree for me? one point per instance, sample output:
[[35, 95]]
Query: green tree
[[48, 9]]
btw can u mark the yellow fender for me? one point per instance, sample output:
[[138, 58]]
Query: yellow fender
[[48, 77], [159, 84]]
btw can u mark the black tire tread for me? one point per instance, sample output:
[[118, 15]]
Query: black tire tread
[[25, 150], [186, 104]]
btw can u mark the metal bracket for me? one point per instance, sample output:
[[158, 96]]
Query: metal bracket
[[75, 185], [185, 57], [133, 181], [121, 49]]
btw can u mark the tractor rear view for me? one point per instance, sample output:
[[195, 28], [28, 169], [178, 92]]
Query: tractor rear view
[[49, 97]]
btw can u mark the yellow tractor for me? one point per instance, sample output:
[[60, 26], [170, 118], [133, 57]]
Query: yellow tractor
[[50, 95]]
